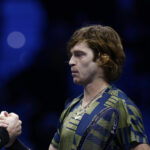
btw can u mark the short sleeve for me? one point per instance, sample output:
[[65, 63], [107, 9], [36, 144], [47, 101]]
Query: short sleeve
[[56, 139], [131, 128]]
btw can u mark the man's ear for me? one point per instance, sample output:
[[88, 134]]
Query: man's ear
[[104, 58]]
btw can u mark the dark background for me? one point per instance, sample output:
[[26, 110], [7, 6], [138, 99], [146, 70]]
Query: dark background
[[35, 79]]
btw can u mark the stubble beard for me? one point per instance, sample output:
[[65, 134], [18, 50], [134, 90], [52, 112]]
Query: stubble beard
[[78, 81]]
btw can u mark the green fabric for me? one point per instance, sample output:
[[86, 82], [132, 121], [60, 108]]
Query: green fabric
[[130, 123]]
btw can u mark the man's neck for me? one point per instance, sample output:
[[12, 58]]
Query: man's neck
[[94, 88]]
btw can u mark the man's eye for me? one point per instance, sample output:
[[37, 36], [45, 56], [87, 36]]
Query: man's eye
[[78, 54]]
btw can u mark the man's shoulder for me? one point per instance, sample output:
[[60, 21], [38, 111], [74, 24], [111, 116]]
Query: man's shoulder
[[120, 96], [123, 103], [72, 100]]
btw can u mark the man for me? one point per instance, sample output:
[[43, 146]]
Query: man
[[96, 59], [10, 129]]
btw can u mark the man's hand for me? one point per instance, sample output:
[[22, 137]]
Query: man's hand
[[13, 125], [142, 147], [51, 147]]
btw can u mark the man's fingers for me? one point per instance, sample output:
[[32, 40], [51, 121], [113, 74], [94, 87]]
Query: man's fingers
[[4, 113], [2, 118], [3, 124], [20, 122], [13, 114]]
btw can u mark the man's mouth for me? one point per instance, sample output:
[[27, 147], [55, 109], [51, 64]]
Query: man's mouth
[[74, 72]]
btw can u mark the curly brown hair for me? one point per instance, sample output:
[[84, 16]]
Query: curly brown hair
[[106, 45]]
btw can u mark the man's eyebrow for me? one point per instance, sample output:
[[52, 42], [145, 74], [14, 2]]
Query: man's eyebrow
[[78, 50], [75, 51]]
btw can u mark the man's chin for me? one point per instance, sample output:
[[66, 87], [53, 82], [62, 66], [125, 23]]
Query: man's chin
[[76, 81]]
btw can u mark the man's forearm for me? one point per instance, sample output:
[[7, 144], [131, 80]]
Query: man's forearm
[[18, 145], [51, 147], [141, 147], [4, 137]]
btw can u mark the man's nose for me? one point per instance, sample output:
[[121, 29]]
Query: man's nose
[[72, 61]]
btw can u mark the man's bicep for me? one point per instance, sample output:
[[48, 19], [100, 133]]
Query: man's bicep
[[51, 147], [141, 147]]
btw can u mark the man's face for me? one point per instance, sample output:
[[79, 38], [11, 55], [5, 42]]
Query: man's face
[[84, 69]]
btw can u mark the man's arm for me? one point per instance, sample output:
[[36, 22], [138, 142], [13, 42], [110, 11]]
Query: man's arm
[[14, 127], [51, 147], [17, 145], [10, 126], [4, 137], [141, 147]]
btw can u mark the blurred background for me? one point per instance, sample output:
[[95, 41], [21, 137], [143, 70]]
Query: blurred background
[[35, 79]]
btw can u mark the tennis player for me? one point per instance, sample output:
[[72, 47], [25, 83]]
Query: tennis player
[[96, 57]]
